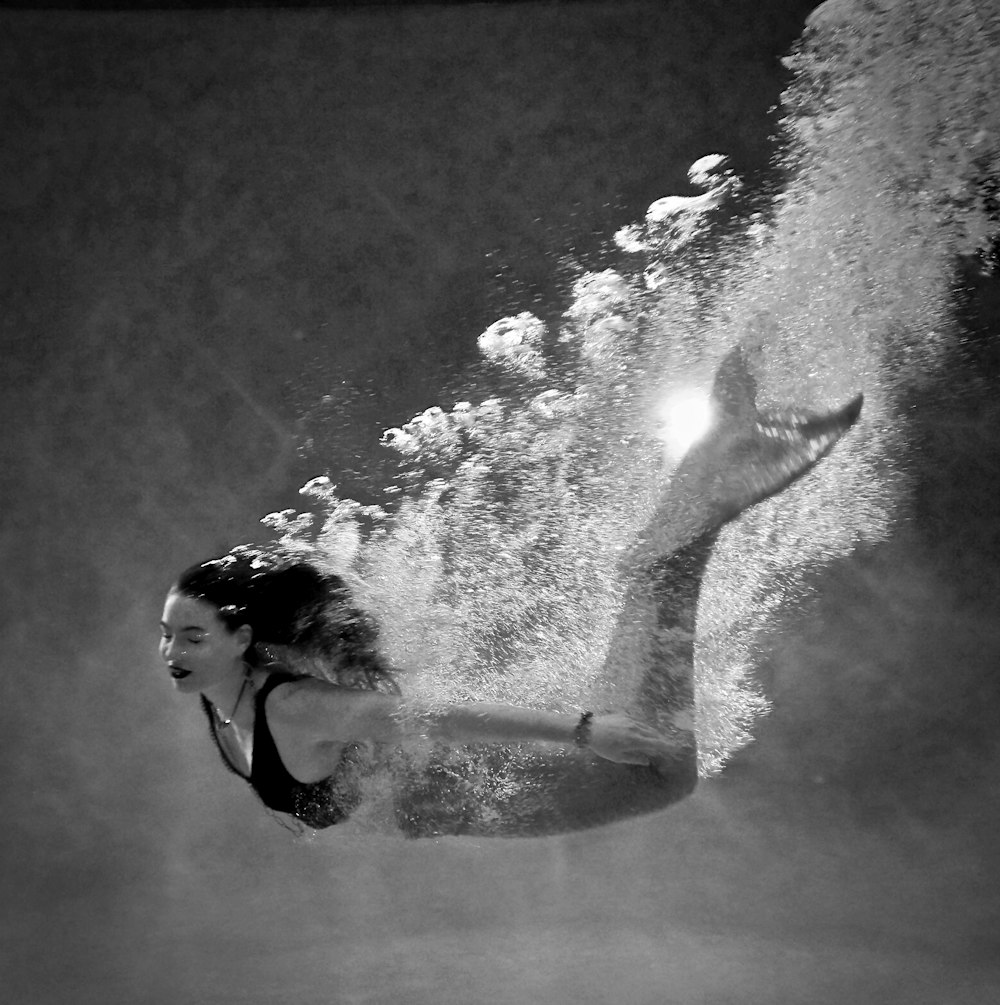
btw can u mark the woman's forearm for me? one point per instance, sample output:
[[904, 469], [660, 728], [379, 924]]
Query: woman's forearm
[[614, 736], [493, 723]]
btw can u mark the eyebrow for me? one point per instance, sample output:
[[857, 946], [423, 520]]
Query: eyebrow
[[187, 628]]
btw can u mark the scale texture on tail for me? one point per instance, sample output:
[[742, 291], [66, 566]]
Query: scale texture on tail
[[745, 457]]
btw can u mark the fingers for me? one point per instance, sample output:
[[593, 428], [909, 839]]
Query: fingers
[[626, 740]]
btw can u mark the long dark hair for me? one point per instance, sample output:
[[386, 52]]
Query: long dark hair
[[292, 605]]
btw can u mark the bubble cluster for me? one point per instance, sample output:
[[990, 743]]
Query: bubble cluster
[[498, 570]]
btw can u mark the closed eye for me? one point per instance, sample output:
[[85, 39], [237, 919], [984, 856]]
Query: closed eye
[[186, 637]]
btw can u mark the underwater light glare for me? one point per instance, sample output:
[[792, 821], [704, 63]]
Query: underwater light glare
[[685, 417]]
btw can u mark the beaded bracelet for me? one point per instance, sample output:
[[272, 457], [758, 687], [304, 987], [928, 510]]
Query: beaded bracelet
[[581, 735]]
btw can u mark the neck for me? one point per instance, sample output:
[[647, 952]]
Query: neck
[[230, 696]]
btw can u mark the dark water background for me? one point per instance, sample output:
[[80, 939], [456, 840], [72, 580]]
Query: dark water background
[[235, 247]]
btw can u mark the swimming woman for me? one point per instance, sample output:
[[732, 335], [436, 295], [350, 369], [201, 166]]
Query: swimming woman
[[295, 737], [302, 706]]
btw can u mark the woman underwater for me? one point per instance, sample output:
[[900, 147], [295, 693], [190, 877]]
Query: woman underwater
[[247, 631]]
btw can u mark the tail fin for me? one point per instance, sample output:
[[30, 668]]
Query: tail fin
[[758, 454], [746, 457]]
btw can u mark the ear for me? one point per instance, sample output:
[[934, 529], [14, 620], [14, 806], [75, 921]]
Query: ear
[[244, 637]]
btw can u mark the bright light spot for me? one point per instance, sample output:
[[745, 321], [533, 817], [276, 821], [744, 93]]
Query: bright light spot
[[684, 417]]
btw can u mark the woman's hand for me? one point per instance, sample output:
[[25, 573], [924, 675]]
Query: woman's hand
[[622, 739]]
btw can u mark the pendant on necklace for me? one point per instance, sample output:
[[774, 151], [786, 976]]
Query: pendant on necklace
[[226, 723]]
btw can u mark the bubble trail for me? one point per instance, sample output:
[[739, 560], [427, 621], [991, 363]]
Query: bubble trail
[[496, 572]]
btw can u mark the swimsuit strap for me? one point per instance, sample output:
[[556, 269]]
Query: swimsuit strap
[[317, 804]]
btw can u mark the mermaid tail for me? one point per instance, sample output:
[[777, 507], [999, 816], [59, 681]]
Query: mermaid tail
[[747, 456]]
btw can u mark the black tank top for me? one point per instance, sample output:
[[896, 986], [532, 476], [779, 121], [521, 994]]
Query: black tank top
[[317, 804]]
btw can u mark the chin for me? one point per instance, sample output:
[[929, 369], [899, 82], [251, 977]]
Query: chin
[[186, 685]]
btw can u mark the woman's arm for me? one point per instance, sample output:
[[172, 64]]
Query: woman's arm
[[485, 722], [614, 737], [324, 714]]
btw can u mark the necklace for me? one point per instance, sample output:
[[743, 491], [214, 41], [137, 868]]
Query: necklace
[[224, 723]]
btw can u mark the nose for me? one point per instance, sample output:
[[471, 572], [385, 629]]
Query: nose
[[169, 650]]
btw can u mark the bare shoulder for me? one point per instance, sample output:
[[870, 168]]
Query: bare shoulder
[[302, 696], [330, 712]]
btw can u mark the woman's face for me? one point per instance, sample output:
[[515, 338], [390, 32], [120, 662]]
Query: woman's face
[[197, 646]]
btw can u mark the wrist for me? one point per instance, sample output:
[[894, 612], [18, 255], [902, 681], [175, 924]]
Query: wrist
[[581, 734]]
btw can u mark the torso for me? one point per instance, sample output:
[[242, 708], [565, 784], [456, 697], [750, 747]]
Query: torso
[[305, 759], [297, 778]]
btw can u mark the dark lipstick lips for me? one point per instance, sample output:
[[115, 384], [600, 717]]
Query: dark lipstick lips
[[179, 673]]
